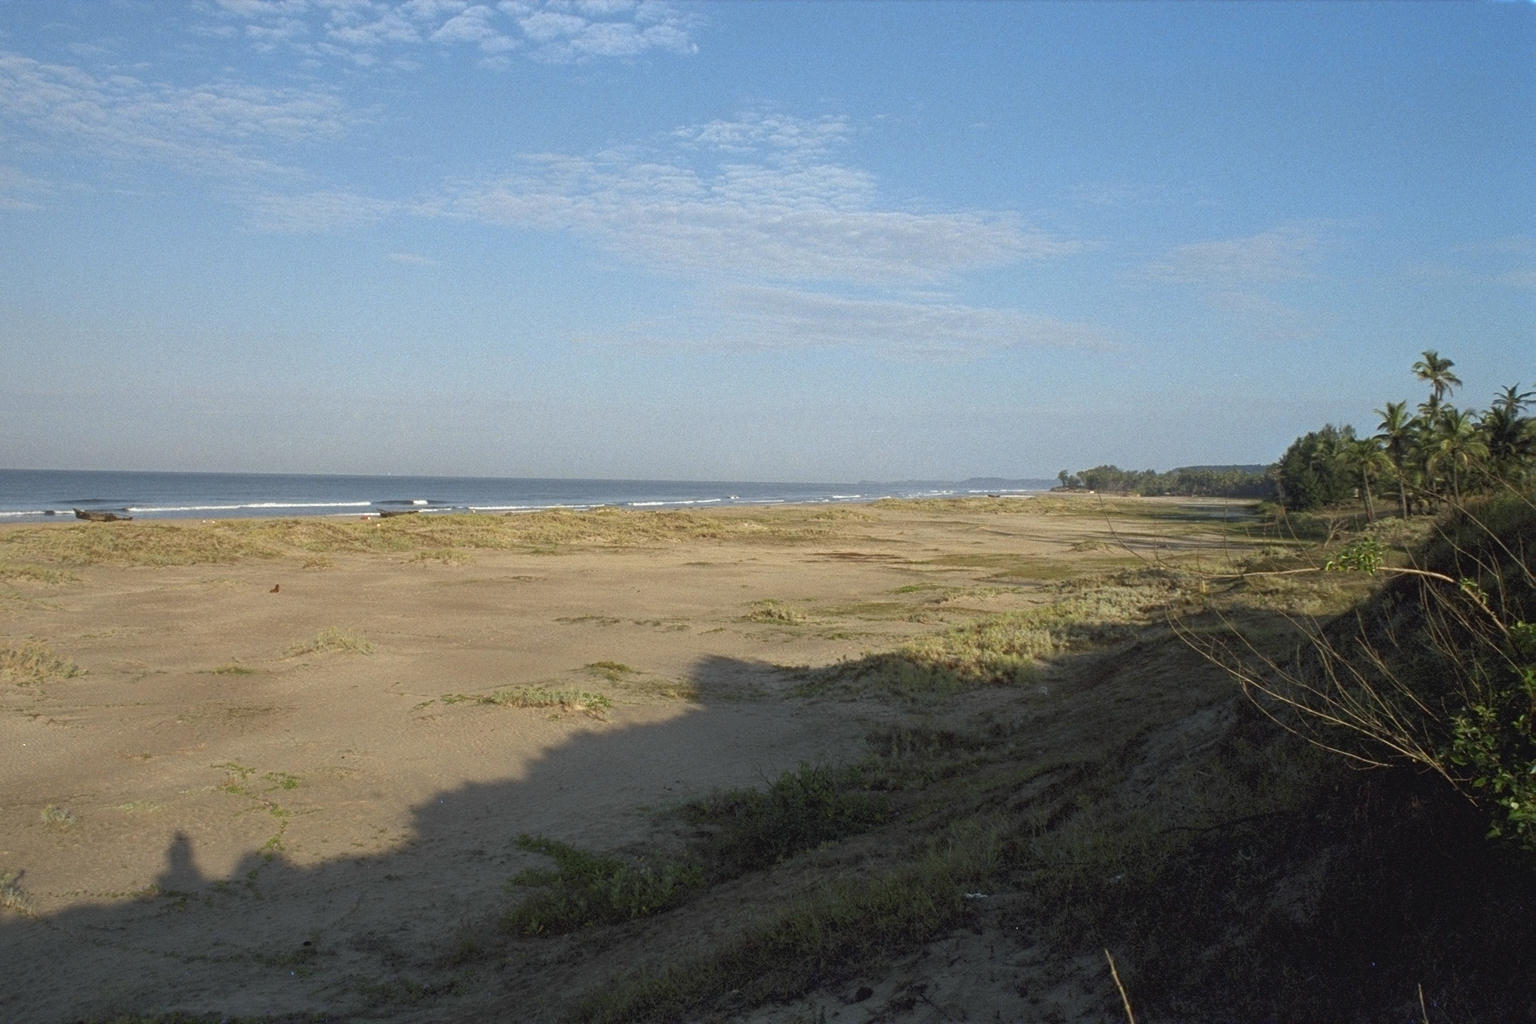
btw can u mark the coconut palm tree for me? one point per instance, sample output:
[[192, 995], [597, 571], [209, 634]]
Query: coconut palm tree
[[1455, 443], [1435, 369], [1396, 433], [1364, 457], [1510, 439], [1512, 400]]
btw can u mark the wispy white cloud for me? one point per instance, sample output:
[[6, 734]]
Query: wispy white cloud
[[1509, 261], [475, 25], [411, 259], [1282, 254], [366, 32], [216, 127], [1263, 318], [315, 212], [758, 197], [770, 135], [785, 245], [1235, 277], [1119, 194], [22, 191], [761, 317]]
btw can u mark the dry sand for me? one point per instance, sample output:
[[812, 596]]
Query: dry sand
[[293, 835]]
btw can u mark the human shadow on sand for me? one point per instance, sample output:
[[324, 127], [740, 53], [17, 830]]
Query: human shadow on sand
[[354, 936]]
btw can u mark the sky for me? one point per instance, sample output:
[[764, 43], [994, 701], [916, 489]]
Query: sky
[[809, 241]]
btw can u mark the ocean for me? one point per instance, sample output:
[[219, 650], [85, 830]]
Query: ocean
[[37, 495]]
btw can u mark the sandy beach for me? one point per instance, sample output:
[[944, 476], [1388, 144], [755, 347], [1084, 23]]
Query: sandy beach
[[285, 784]]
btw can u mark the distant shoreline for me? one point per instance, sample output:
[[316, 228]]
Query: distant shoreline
[[35, 496]]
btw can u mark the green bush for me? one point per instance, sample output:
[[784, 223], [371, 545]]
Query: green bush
[[1494, 740], [1436, 670]]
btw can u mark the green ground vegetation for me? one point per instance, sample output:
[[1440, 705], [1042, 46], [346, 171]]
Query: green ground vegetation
[[27, 661], [47, 552], [541, 697], [332, 640]]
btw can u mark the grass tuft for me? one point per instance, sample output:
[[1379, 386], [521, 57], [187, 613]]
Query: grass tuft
[[751, 829], [232, 668], [331, 640], [31, 661], [12, 895], [58, 818], [585, 889], [581, 701], [35, 574], [447, 556], [776, 612]]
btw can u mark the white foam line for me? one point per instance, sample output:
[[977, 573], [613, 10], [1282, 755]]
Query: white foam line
[[260, 504]]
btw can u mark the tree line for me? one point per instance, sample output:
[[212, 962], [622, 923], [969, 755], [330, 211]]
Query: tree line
[[1190, 481], [1420, 458]]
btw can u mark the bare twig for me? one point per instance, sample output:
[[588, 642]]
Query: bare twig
[[1124, 999]]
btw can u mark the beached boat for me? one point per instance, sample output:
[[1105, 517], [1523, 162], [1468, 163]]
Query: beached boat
[[100, 517]]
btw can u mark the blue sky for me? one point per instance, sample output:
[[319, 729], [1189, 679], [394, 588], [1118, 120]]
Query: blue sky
[[792, 241]]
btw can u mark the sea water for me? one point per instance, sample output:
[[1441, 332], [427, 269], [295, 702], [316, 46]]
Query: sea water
[[36, 495]]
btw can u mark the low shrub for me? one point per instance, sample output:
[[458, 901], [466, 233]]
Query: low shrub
[[752, 829], [586, 889]]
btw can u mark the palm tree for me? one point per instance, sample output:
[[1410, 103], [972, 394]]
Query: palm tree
[[1396, 433], [1456, 443], [1512, 400], [1436, 371], [1364, 457], [1510, 440]]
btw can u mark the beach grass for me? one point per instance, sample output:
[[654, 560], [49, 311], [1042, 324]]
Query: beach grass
[[1007, 649], [30, 661], [46, 552], [12, 896], [750, 829], [56, 548], [10, 572], [58, 818], [838, 925], [579, 701], [232, 668], [776, 612], [584, 890], [331, 640]]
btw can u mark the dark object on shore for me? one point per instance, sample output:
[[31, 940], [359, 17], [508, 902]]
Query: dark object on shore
[[275, 588], [100, 517], [385, 513]]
